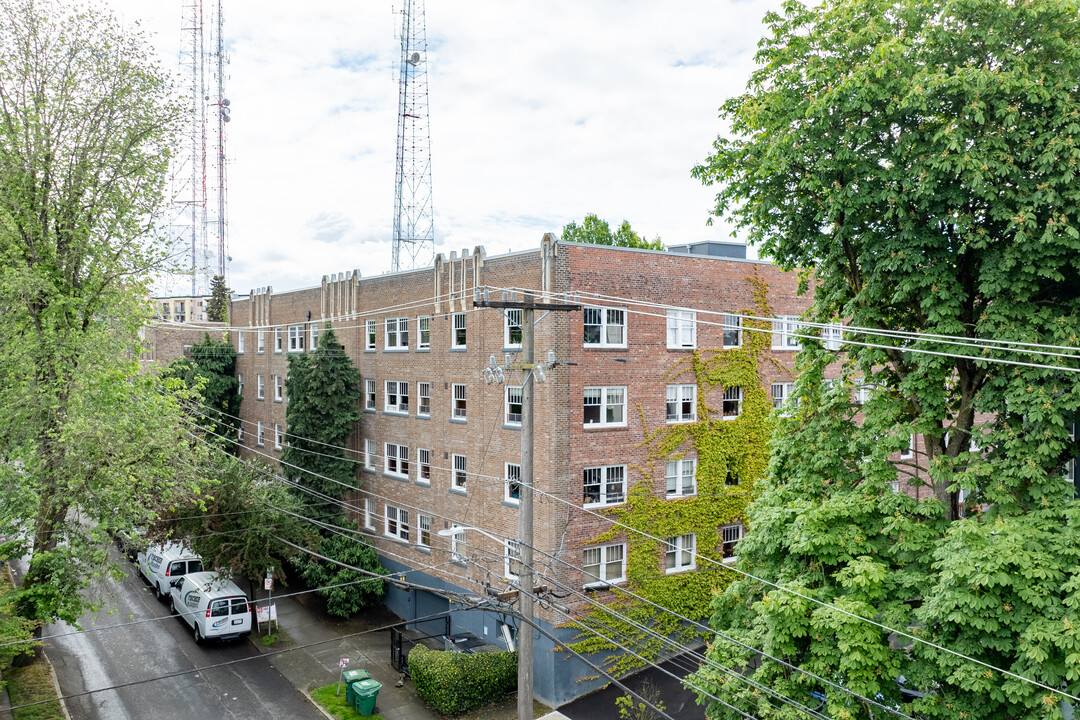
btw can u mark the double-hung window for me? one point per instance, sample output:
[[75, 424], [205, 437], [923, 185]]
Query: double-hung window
[[680, 553], [397, 523], [278, 394], [239, 341], [460, 402], [396, 461], [240, 432], [457, 339], [261, 338], [862, 394], [370, 333], [397, 396], [512, 328], [605, 406], [681, 477], [314, 339], [260, 385], [423, 531], [605, 327], [732, 325], [833, 335], [782, 395], [460, 473], [369, 514], [730, 536], [786, 333], [279, 436], [239, 383], [397, 333], [260, 434], [369, 394], [296, 338], [1070, 466], [604, 565], [681, 329], [732, 407], [908, 452], [423, 331], [459, 547], [423, 459], [604, 485], [279, 341], [513, 483], [681, 403], [423, 399], [369, 454], [512, 564], [513, 406]]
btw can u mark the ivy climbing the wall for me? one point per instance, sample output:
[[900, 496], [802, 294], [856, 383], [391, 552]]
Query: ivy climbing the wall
[[732, 455]]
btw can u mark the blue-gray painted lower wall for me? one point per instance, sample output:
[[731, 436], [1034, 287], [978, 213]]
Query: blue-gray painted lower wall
[[557, 676]]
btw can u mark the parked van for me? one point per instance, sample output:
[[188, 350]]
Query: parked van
[[214, 607], [160, 564]]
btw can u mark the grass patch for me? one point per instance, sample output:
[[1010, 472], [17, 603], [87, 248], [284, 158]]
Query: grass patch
[[335, 704], [29, 684]]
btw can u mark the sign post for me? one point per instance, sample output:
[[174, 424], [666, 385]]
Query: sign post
[[343, 663], [269, 585]]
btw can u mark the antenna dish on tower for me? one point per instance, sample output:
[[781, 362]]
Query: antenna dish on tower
[[414, 59]]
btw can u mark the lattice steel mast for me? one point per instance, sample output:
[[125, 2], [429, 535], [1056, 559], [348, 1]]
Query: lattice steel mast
[[219, 226], [414, 225]]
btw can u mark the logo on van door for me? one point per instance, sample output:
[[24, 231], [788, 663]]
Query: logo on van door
[[192, 600]]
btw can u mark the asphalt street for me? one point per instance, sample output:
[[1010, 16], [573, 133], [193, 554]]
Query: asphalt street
[[142, 652]]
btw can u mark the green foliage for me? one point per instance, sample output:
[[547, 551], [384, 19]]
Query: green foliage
[[331, 698], [324, 391], [217, 309], [211, 371], [630, 708], [453, 683], [735, 448], [344, 595], [595, 231], [917, 159]]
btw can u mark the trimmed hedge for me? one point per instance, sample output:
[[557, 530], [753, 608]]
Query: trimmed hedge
[[453, 683]]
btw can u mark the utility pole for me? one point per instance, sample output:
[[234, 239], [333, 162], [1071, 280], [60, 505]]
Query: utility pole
[[525, 510]]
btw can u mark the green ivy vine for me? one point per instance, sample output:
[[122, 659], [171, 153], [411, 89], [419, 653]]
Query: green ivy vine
[[740, 447]]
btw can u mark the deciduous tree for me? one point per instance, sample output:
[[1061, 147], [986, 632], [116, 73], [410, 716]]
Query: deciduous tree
[[595, 231]]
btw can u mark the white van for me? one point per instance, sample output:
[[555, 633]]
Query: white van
[[160, 564], [212, 605]]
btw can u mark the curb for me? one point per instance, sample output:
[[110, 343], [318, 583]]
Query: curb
[[316, 705], [56, 685]]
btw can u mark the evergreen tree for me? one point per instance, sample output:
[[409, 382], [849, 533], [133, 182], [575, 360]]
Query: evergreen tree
[[217, 310], [919, 158]]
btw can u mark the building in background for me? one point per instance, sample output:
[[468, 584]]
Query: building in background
[[180, 309]]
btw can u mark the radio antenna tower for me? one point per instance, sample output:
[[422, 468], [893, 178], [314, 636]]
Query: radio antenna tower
[[414, 224], [198, 160]]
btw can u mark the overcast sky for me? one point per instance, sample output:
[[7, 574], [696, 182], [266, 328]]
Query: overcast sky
[[540, 114]]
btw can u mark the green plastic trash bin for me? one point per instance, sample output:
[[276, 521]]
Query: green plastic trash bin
[[349, 677], [366, 693]]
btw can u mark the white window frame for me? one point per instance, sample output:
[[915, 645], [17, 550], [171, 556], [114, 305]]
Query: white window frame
[[396, 523], [682, 474], [676, 551], [313, 339], [512, 318], [508, 404], [370, 393], [423, 392], [606, 555], [396, 333], [459, 546], [832, 336], [296, 338], [909, 453], [460, 473], [369, 454], [605, 478], [728, 323], [423, 531], [423, 332], [606, 404], [782, 399], [260, 434], [460, 408], [681, 329], [260, 392], [457, 323], [1070, 466], [239, 383], [786, 328], [511, 558], [736, 395], [260, 344], [239, 342], [278, 388], [279, 342], [240, 432], [369, 514], [512, 477], [423, 470], [862, 394], [278, 436], [396, 460], [605, 319], [397, 397], [370, 334], [731, 534], [676, 402]]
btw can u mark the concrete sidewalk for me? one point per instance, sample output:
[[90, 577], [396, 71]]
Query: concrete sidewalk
[[312, 667]]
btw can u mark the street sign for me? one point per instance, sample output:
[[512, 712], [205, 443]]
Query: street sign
[[268, 583], [344, 663]]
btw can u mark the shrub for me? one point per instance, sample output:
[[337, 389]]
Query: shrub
[[453, 683]]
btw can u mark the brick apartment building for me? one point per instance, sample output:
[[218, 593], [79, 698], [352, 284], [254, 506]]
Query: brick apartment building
[[439, 447]]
